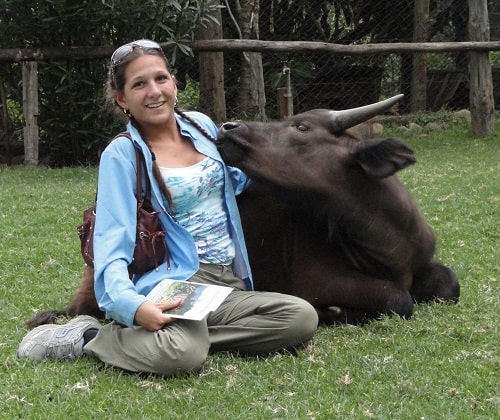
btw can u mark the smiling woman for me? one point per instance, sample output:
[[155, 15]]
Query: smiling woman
[[149, 95], [203, 234]]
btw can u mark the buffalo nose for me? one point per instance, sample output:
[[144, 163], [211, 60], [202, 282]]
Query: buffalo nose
[[224, 128]]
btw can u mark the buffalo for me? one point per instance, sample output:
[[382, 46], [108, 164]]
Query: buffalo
[[326, 218]]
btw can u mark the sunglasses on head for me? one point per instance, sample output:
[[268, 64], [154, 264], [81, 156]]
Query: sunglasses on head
[[122, 52]]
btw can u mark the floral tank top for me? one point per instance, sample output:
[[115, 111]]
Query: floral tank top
[[198, 197]]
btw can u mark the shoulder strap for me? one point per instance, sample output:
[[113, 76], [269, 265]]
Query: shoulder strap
[[139, 176], [140, 164]]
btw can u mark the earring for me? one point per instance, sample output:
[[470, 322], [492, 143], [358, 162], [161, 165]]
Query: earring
[[126, 112], [175, 103]]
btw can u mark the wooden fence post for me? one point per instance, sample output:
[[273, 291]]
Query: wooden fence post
[[482, 103], [30, 111]]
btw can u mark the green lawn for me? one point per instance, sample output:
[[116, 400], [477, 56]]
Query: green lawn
[[443, 363]]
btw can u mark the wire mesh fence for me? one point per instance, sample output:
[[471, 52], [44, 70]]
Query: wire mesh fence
[[342, 81], [70, 89]]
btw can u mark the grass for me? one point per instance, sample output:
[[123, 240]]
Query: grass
[[443, 363]]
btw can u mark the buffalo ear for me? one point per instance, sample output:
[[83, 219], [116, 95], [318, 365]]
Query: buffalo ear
[[381, 158]]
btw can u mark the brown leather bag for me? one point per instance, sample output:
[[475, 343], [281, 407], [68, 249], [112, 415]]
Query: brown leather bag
[[150, 247]]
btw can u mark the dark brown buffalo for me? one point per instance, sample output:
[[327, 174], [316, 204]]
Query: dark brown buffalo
[[329, 221], [326, 218]]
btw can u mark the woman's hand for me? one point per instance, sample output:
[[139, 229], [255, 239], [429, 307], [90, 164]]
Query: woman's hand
[[150, 314]]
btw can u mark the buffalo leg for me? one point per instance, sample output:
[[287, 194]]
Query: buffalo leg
[[352, 297], [84, 302]]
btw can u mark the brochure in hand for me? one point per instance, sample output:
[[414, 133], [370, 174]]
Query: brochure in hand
[[199, 299]]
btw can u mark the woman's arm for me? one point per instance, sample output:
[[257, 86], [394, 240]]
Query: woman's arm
[[115, 232]]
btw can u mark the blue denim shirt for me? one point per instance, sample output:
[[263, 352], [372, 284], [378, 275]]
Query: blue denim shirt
[[115, 227]]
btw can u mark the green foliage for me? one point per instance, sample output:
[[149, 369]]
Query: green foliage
[[441, 364], [15, 111], [495, 59], [189, 97], [73, 126]]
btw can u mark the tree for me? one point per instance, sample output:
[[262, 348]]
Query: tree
[[419, 74]]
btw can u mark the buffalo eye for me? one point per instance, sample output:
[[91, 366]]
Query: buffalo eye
[[302, 127]]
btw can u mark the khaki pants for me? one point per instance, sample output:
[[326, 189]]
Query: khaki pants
[[248, 323]]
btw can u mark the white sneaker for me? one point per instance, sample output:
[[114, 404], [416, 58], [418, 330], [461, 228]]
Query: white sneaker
[[57, 341]]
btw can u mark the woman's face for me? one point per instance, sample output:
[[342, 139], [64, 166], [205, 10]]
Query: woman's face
[[149, 92]]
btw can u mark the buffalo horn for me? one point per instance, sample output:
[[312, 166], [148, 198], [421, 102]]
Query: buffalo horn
[[342, 120]]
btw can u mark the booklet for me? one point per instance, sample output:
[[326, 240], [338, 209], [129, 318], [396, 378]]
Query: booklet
[[199, 299]]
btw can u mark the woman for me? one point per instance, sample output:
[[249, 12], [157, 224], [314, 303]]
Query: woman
[[196, 193]]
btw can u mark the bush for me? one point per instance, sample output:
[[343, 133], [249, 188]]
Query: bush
[[73, 126]]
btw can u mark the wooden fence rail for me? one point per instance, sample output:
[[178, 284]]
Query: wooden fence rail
[[39, 54], [29, 57]]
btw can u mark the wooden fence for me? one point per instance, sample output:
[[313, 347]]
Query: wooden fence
[[481, 98]]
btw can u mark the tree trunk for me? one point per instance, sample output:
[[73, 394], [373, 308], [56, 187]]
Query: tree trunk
[[212, 96], [482, 104], [30, 110], [252, 98], [419, 71]]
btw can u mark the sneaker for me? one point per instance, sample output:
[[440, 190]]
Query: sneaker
[[57, 341]]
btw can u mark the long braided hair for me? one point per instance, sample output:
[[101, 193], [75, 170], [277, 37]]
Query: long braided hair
[[116, 83]]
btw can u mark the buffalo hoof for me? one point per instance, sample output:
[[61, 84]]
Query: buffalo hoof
[[400, 303], [435, 283]]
